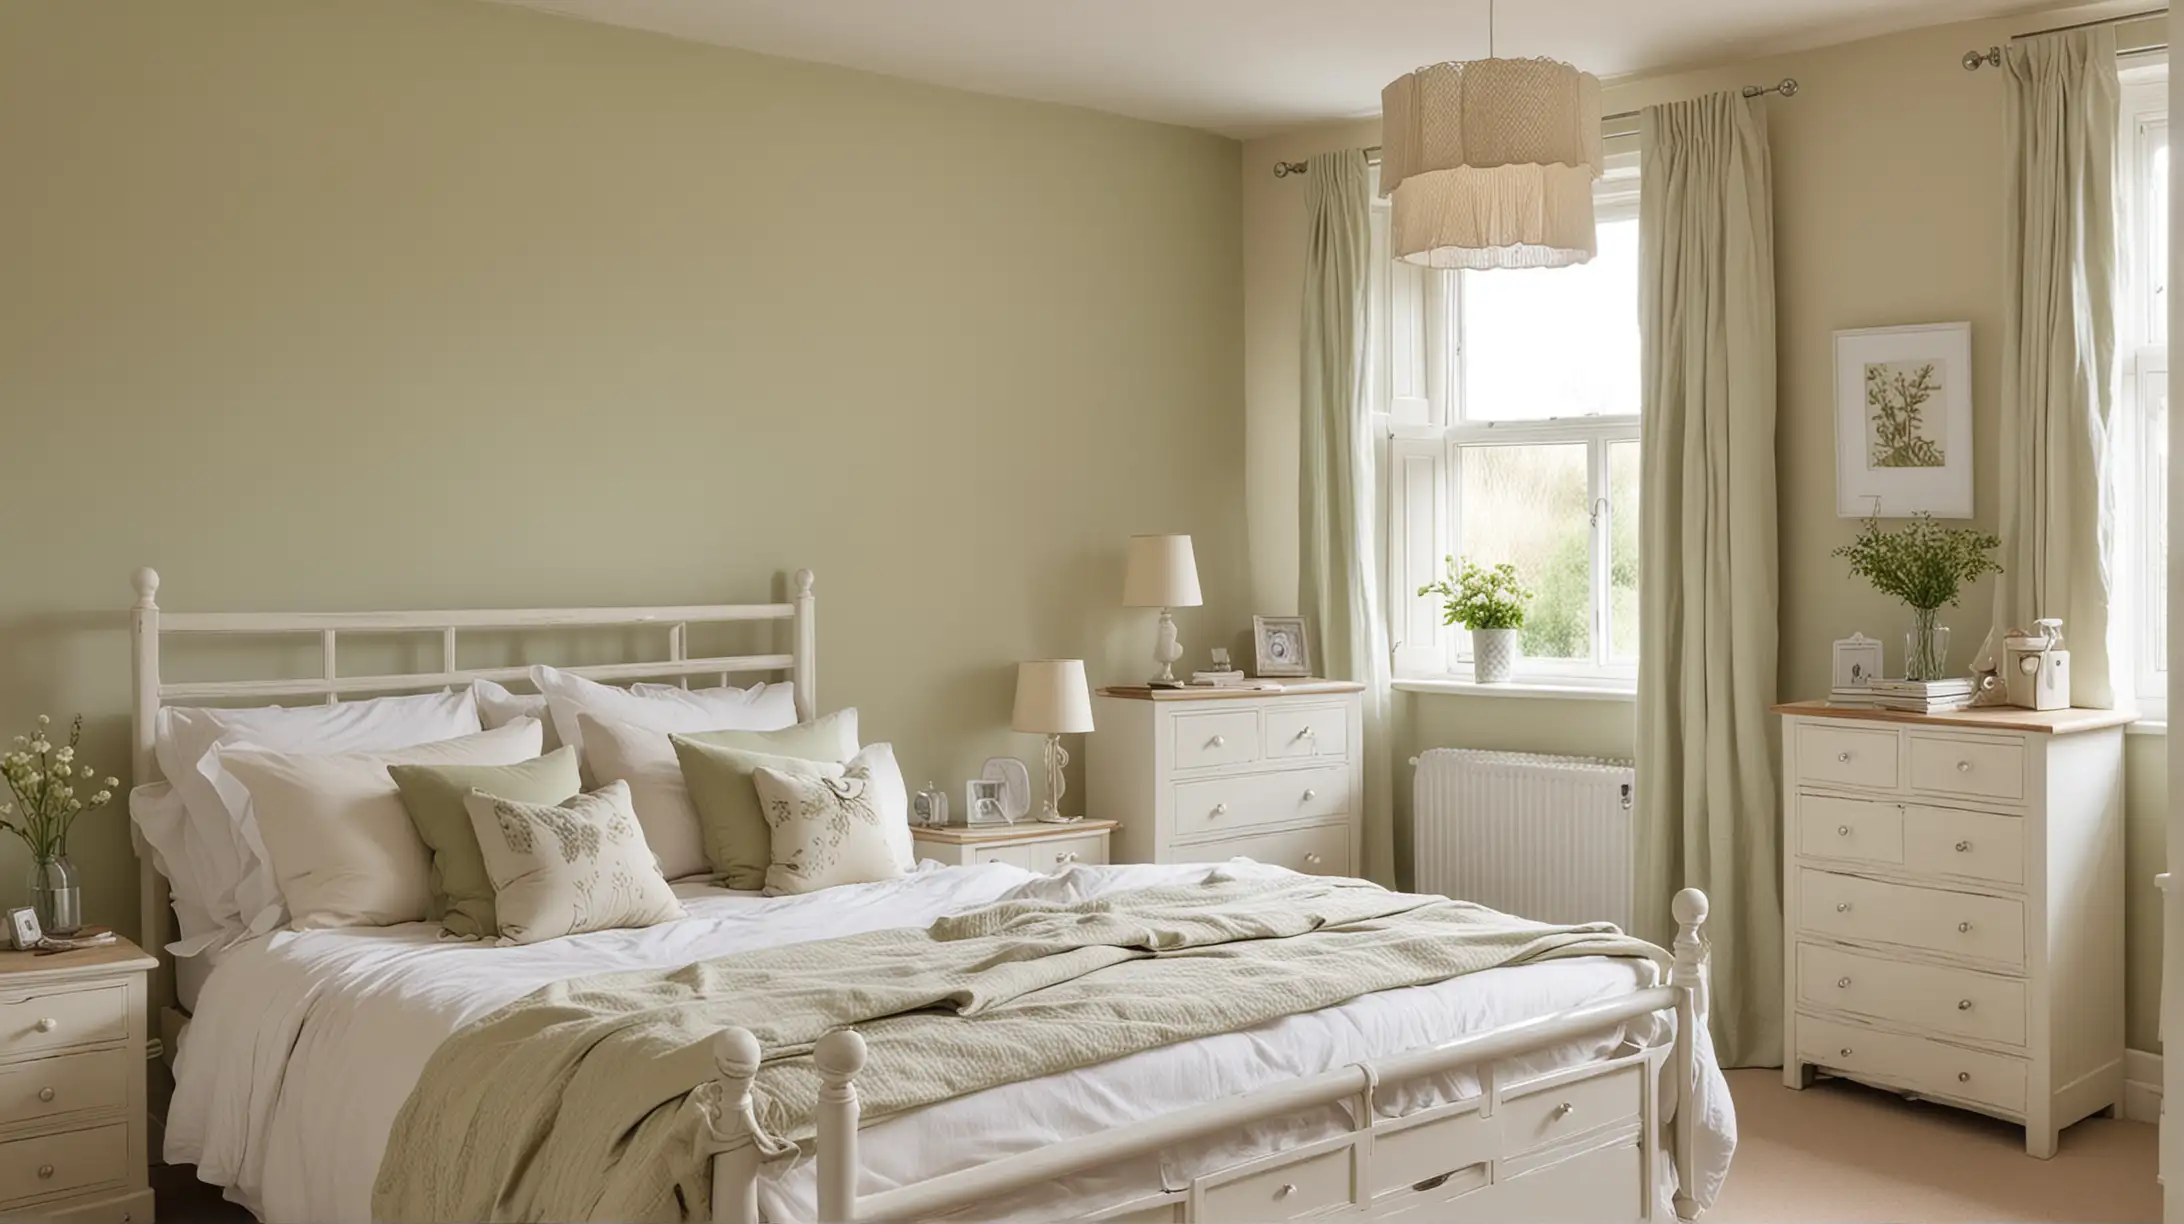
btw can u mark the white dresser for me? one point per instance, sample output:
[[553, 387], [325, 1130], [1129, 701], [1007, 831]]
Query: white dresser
[[1204, 776], [72, 1116], [1953, 907]]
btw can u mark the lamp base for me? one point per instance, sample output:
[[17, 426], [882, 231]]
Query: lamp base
[[1166, 650], [1057, 758]]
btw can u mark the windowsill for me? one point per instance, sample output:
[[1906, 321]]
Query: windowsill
[[1550, 688], [2148, 726]]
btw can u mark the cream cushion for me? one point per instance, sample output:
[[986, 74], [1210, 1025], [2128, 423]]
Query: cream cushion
[[342, 847], [564, 869], [662, 707], [836, 824]]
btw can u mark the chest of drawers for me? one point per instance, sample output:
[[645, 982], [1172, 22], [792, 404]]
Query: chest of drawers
[[1953, 907], [1197, 776]]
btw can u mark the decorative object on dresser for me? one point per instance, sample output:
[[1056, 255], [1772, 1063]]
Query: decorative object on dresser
[[1923, 696], [982, 803], [1052, 700], [73, 1126], [1162, 573], [1034, 847], [1543, 837], [1858, 663], [1283, 646], [1903, 421], [24, 933], [43, 778], [1489, 602], [1926, 566], [1208, 775], [2036, 668], [1015, 783], [1953, 895], [929, 807]]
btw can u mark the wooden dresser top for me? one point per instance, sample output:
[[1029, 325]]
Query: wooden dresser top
[[1289, 688], [1992, 718]]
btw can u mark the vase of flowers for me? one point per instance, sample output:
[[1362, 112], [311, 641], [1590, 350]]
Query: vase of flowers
[[1926, 566], [42, 776], [1489, 601]]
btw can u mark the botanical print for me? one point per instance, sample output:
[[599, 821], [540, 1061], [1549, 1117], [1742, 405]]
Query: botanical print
[[1901, 432], [819, 812]]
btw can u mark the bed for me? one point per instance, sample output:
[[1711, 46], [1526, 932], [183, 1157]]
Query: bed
[[1581, 1088]]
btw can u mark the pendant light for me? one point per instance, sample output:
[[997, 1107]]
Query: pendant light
[[1491, 162]]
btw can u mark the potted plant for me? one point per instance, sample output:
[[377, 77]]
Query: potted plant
[[1925, 565], [1489, 602], [43, 776]]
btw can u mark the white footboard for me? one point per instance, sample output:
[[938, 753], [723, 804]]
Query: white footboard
[[1577, 1144]]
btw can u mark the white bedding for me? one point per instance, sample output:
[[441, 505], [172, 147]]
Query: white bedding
[[306, 1044]]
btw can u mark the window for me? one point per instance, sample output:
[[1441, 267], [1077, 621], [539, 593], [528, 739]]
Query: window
[[2141, 595], [1508, 402]]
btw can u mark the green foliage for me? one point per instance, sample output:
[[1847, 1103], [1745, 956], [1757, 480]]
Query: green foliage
[[1921, 563], [1897, 403], [1559, 623], [1477, 597]]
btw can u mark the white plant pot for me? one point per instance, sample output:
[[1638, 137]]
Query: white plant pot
[[1494, 654]]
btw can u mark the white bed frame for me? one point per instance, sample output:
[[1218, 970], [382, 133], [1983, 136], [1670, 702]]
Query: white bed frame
[[1582, 1143]]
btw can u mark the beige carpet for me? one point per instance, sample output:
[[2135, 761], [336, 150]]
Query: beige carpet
[[1838, 1151]]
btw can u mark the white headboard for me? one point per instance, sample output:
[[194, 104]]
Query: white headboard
[[148, 625]]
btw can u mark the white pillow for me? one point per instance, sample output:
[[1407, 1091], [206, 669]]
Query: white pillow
[[564, 869], [240, 893], [499, 705], [663, 707], [644, 761], [342, 845], [163, 820], [837, 824]]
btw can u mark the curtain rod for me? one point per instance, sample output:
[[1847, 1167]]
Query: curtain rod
[[1992, 57], [1787, 87]]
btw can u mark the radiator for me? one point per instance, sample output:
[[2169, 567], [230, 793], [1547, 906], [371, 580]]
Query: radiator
[[1541, 837]]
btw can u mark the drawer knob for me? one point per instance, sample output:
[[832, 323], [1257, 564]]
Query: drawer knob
[[1842, 907], [1067, 856], [1846, 1052], [1843, 757], [46, 1095], [1842, 983], [45, 1172], [1220, 741], [1565, 1109], [1964, 767], [1964, 846], [1306, 734], [1842, 830], [1964, 1005], [1310, 794], [1312, 860], [48, 1024], [1220, 809], [1964, 1077], [1288, 1188], [1964, 928]]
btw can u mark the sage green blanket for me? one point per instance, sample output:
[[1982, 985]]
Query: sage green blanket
[[576, 1101]]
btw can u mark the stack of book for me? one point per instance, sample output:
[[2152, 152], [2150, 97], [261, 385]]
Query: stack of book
[[1923, 696], [1220, 679], [1862, 696]]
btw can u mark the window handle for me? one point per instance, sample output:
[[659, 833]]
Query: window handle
[[1599, 507]]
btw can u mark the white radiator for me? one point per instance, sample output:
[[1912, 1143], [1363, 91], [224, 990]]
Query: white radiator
[[1541, 837]]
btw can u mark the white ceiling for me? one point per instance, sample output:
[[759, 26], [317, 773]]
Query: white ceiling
[[1248, 67]]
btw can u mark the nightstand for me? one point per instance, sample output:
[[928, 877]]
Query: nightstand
[[1033, 846], [72, 1116]]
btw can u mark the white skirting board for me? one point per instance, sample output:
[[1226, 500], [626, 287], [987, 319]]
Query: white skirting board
[[2141, 1086]]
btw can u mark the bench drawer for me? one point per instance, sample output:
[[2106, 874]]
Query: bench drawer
[[1309, 1186]]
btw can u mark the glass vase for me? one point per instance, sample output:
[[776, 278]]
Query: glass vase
[[1926, 646], [56, 892]]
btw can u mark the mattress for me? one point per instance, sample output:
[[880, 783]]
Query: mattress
[[305, 1045]]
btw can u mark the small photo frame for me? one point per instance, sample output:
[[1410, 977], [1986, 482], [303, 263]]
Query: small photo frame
[[983, 802], [23, 929], [1858, 662], [1283, 646]]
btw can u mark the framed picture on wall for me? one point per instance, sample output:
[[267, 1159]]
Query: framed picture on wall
[[1903, 421]]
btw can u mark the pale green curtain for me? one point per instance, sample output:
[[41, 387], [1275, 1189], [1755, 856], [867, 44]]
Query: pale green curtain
[[2059, 345], [1338, 584], [1706, 814]]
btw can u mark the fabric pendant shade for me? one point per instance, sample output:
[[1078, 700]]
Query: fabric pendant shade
[[1490, 163]]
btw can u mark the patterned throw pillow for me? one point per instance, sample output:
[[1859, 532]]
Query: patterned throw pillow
[[564, 869], [841, 824]]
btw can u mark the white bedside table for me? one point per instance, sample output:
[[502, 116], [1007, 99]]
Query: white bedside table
[[1033, 846], [72, 1115]]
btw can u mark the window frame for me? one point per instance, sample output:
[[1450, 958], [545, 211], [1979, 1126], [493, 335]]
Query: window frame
[[2143, 592]]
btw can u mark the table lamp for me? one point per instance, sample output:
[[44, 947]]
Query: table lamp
[[1052, 700], [1163, 574]]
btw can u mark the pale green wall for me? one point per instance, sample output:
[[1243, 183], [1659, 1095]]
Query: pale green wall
[[426, 303]]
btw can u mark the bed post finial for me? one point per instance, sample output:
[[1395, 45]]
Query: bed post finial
[[1688, 975], [803, 582], [839, 1055], [736, 1056], [147, 587]]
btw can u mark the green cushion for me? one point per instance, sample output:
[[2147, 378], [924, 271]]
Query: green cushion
[[434, 795], [717, 765]]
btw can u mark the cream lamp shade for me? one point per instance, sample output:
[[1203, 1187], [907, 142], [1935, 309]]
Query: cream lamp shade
[[1490, 163], [1162, 573], [1051, 698]]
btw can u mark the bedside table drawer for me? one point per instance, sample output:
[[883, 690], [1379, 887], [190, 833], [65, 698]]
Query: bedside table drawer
[[1063, 853], [69, 1083], [1315, 731], [1846, 756], [1989, 769], [1214, 806], [58, 1017], [1014, 856], [1230, 737], [56, 1164]]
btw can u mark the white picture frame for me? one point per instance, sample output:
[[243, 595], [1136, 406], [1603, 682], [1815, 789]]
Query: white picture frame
[[1903, 421], [985, 802], [24, 933], [1015, 779], [1859, 661], [1283, 646]]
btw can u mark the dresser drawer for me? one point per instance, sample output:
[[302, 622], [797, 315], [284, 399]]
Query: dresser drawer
[[1857, 829], [1976, 844], [1846, 756], [65, 1084], [1227, 737], [1214, 806], [60, 1017], [1309, 1186], [1989, 928], [1065, 852], [57, 1164], [1932, 1068], [1990, 769], [1953, 1002], [1304, 732], [1321, 850], [1533, 1119]]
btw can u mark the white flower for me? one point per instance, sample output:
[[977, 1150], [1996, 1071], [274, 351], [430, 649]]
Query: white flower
[[87, 772], [100, 798], [64, 754], [113, 781], [39, 745], [44, 719]]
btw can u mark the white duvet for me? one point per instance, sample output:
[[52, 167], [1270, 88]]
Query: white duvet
[[305, 1045]]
